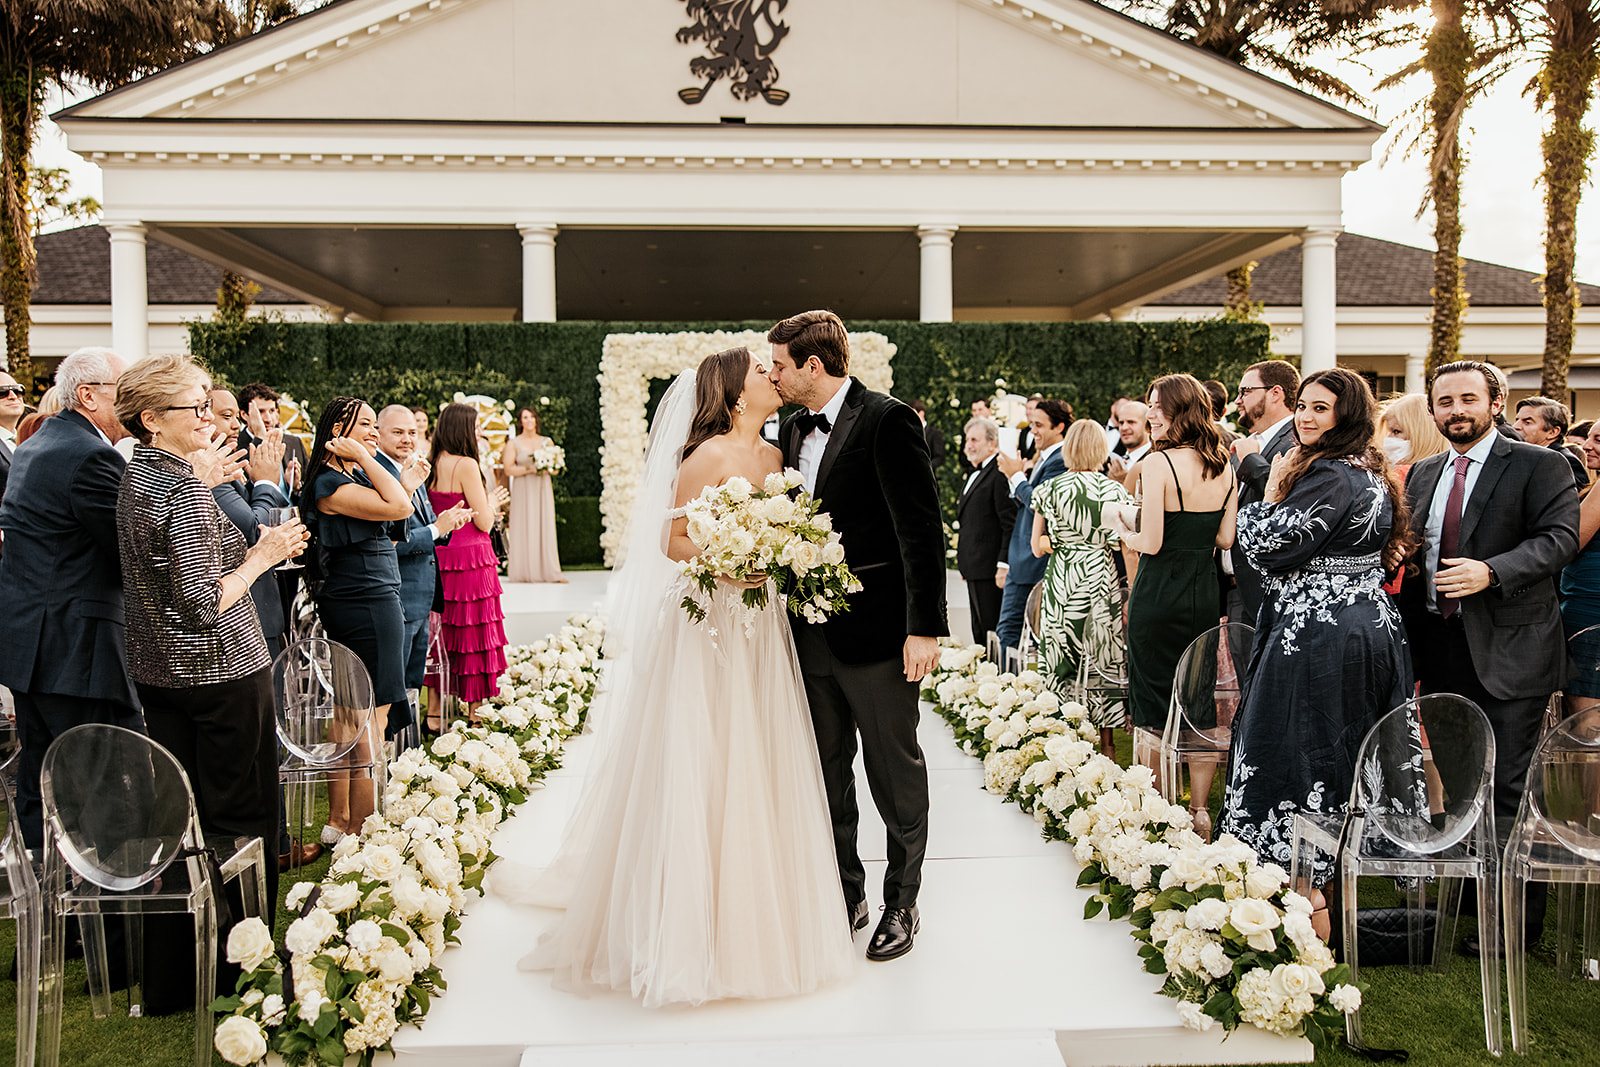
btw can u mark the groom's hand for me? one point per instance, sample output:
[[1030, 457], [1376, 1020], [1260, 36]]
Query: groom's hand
[[921, 656]]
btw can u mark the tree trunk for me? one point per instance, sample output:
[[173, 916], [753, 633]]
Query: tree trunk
[[1448, 58], [20, 98], [1236, 305], [1568, 80]]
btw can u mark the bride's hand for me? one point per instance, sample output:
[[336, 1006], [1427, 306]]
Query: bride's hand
[[755, 581]]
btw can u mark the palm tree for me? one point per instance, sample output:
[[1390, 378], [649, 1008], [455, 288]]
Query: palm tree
[[45, 43], [1569, 38]]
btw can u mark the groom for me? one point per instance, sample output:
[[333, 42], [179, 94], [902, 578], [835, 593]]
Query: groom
[[865, 460]]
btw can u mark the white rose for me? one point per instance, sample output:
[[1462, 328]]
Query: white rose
[[298, 894], [1189, 867], [1265, 880], [311, 1006], [272, 1010], [339, 896], [441, 810], [833, 553], [250, 944], [1293, 979], [463, 777], [382, 861], [736, 489], [1345, 998], [348, 844], [394, 963], [364, 936], [420, 956], [307, 934], [446, 744], [444, 785], [240, 1040], [807, 556], [1208, 914], [407, 896], [1192, 1016], [1255, 919]]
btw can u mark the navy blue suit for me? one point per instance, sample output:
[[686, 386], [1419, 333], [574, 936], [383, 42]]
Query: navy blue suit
[[1027, 570], [246, 505], [420, 589], [63, 635]]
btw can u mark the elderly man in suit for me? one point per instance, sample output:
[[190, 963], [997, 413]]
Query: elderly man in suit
[[985, 514], [420, 590], [64, 658], [1267, 393], [1498, 519], [1049, 423]]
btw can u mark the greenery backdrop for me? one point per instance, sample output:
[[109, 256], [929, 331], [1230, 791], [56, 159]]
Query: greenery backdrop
[[946, 364]]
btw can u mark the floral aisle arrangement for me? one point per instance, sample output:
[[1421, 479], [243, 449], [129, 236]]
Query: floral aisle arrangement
[[364, 953], [551, 459], [744, 531], [1235, 943]]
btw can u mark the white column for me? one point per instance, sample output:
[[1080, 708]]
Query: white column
[[1319, 300], [538, 272], [130, 292], [938, 274], [1416, 372]]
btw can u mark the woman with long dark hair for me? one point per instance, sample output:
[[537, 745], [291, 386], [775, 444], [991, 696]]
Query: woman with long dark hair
[[531, 538], [472, 623], [349, 501], [1330, 653], [1188, 511]]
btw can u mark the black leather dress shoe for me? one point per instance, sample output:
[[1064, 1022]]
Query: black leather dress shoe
[[893, 937], [858, 915]]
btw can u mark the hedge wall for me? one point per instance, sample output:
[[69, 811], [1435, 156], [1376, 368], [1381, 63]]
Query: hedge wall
[[947, 364]]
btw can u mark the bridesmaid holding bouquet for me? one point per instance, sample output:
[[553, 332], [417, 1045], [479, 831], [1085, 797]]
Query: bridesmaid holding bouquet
[[532, 544]]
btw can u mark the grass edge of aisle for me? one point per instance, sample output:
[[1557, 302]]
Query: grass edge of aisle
[[364, 953], [1235, 943]]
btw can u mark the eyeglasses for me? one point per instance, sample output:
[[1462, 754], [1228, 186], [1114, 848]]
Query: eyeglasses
[[199, 409], [1243, 389], [10, 390]]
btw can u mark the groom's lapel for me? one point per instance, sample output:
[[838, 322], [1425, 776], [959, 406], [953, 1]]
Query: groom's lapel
[[841, 431]]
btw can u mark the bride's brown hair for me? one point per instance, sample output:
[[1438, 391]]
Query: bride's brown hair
[[718, 384]]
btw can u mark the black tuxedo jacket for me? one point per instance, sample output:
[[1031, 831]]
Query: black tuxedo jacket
[[1522, 520], [63, 630], [876, 481], [986, 513], [1253, 470]]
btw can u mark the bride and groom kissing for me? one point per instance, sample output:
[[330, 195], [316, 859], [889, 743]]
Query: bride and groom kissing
[[713, 852]]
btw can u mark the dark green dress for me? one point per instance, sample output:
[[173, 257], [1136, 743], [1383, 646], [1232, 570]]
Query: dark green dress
[[1172, 602]]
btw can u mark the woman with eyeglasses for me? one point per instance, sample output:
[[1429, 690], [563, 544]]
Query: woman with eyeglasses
[[195, 648]]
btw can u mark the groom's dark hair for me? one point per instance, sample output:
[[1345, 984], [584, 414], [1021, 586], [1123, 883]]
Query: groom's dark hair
[[815, 333]]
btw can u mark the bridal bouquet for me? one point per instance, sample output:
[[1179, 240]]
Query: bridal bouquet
[[744, 531], [551, 459]]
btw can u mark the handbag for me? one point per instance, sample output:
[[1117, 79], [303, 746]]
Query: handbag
[[1381, 936]]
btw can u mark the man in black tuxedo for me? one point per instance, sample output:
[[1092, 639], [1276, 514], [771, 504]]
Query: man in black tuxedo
[[864, 459], [986, 514], [64, 655], [1267, 393], [1498, 521], [930, 433]]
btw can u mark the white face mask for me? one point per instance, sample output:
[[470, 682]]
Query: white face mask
[[1396, 448]]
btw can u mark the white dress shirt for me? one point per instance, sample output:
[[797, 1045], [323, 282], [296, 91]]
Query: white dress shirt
[[1266, 436], [1476, 455], [979, 469], [816, 442]]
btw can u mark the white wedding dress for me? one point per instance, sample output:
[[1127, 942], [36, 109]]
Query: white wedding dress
[[700, 862]]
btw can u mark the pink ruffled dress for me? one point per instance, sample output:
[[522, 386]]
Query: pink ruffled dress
[[473, 623]]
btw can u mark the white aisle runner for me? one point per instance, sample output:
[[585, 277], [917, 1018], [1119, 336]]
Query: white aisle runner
[[1005, 970]]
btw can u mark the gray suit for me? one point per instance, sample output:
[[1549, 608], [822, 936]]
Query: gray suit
[[1253, 471]]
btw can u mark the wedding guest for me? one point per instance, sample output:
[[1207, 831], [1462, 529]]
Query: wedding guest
[[1542, 421], [424, 442], [472, 621], [350, 502], [1187, 511], [49, 405], [1267, 392], [1329, 657], [1050, 420], [930, 433], [980, 410], [1408, 434], [196, 651], [1027, 447], [1080, 611], [531, 546], [1580, 579], [986, 514], [1578, 434], [1113, 428], [258, 405], [250, 503], [11, 411], [1133, 433], [1219, 406]]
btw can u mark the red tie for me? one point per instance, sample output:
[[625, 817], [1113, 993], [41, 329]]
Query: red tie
[[1450, 533]]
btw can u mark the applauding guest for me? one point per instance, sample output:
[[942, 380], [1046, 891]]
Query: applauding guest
[[249, 504], [258, 407], [532, 543], [349, 502], [1048, 422], [986, 513]]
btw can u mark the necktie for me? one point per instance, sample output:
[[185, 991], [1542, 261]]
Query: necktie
[[1450, 532], [808, 422]]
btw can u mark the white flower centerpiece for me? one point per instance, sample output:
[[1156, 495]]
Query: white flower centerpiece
[[363, 955], [1235, 943]]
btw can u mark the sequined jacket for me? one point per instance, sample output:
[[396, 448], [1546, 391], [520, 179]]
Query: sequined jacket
[[176, 545]]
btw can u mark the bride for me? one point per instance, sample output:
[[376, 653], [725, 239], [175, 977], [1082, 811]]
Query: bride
[[700, 862]]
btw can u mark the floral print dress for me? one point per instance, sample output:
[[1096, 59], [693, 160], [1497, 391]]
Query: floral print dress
[[1329, 657]]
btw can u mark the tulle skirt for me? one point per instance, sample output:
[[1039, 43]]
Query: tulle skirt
[[700, 863]]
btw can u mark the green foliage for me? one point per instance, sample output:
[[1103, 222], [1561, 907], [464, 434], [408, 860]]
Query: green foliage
[[578, 529]]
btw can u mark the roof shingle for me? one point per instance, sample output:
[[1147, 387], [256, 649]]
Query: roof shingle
[[75, 268]]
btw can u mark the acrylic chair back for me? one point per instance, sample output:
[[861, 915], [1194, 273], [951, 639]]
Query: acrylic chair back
[[22, 903], [325, 703], [1207, 689], [1413, 810], [1564, 783]]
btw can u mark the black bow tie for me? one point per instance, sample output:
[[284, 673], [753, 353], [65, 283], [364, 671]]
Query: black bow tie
[[808, 422]]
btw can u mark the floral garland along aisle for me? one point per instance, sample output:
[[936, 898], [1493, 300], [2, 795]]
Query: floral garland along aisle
[[364, 953], [1235, 943]]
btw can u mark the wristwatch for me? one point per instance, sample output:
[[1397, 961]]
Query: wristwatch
[[1494, 579]]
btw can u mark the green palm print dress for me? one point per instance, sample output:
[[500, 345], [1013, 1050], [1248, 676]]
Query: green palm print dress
[[1079, 610]]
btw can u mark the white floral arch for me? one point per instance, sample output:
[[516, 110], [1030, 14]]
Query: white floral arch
[[627, 363]]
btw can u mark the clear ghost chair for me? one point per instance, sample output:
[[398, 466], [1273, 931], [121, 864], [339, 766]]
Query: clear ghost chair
[[1582, 690], [437, 667], [1395, 829], [21, 901], [1206, 690], [326, 725], [1556, 838], [1106, 680], [993, 650], [1026, 654], [118, 813]]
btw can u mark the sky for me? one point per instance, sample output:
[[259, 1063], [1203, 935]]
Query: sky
[[1502, 202]]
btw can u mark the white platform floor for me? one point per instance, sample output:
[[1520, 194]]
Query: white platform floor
[[1005, 971]]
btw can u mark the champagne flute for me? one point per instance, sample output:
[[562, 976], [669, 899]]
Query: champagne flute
[[277, 517]]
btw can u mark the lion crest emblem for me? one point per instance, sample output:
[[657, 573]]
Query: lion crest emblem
[[740, 36]]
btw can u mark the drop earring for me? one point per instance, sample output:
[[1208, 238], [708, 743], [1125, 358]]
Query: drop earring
[[739, 407]]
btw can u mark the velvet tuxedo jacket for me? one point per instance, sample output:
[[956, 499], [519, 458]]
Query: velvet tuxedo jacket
[[875, 479], [1522, 520], [987, 514]]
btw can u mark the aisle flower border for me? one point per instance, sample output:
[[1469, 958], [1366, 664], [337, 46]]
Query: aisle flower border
[[627, 363], [1235, 943], [364, 952]]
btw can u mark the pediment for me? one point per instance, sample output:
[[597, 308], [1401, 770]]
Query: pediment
[[975, 63]]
